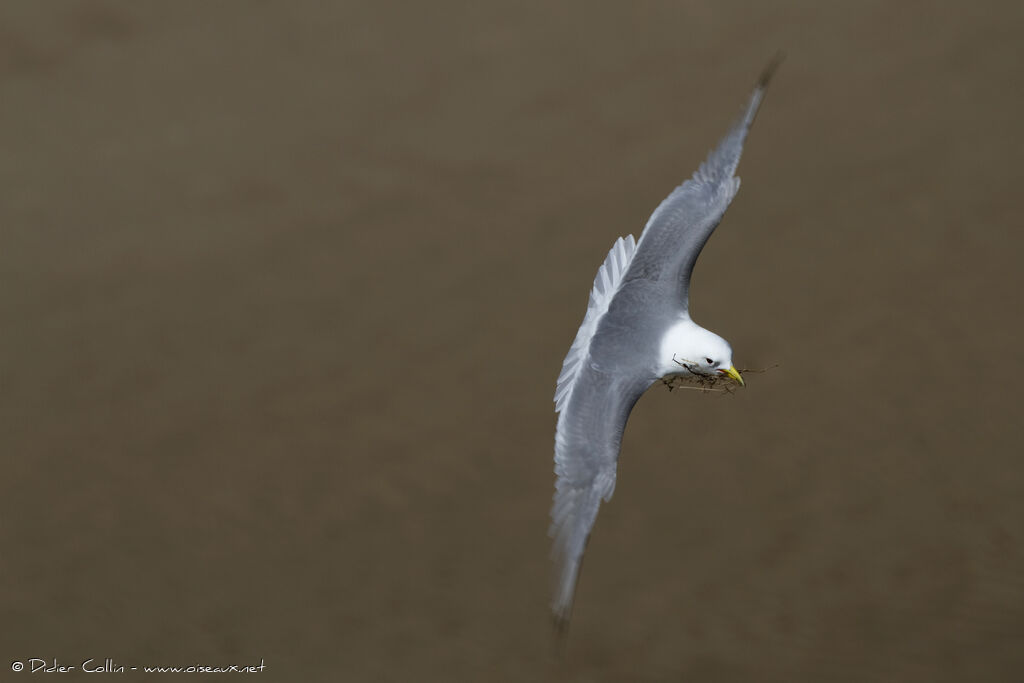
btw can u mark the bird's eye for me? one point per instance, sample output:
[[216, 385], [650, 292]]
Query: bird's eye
[[710, 362]]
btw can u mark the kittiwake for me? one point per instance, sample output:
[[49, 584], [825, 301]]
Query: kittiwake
[[637, 330]]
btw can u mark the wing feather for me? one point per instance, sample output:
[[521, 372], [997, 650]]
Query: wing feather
[[587, 442], [606, 283], [676, 232]]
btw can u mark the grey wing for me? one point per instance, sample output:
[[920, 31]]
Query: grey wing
[[587, 444], [678, 229]]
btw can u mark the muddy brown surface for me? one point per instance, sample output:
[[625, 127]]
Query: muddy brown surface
[[285, 288]]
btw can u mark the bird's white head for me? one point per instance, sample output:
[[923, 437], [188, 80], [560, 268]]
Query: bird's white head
[[689, 349]]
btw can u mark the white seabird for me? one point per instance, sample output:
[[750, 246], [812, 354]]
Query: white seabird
[[637, 330]]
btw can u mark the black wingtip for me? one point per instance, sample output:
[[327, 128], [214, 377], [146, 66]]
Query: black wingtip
[[769, 70], [559, 635]]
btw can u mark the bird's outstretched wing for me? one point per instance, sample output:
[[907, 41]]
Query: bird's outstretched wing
[[602, 377], [681, 225], [587, 442]]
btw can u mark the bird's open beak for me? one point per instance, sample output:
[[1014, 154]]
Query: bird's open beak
[[734, 374]]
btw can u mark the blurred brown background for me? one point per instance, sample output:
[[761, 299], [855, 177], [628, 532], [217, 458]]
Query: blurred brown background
[[285, 288]]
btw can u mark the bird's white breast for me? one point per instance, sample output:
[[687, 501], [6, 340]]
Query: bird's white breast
[[676, 343]]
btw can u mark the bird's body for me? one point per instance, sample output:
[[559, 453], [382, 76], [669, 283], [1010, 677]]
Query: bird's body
[[637, 330]]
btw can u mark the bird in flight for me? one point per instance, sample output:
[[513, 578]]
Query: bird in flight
[[637, 330]]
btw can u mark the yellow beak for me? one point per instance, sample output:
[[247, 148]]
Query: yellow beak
[[734, 374]]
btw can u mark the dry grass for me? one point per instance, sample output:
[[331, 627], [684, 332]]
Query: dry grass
[[717, 383]]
